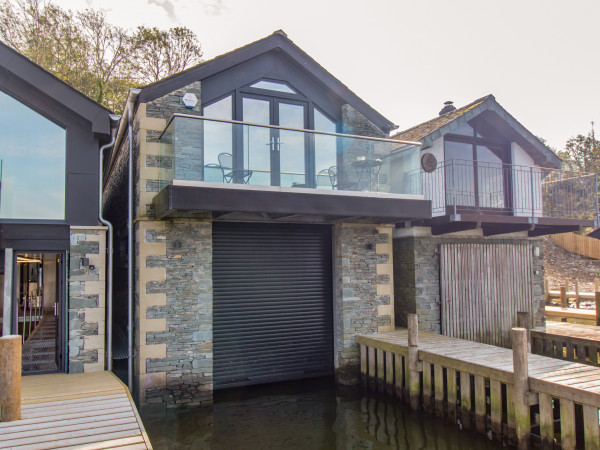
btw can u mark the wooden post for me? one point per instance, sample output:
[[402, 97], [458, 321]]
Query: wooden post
[[523, 321], [414, 382], [577, 293], [496, 409], [596, 284], [566, 284], [598, 308], [389, 373], [438, 381], [563, 297], [10, 378], [399, 381], [521, 387], [547, 290], [567, 424], [480, 404], [547, 420], [426, 386], [363, 365]]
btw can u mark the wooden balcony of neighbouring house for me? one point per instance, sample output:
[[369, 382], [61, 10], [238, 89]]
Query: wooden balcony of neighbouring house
[[251, 172], [504, 198]]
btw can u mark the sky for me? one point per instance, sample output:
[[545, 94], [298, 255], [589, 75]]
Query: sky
[[539, 58]]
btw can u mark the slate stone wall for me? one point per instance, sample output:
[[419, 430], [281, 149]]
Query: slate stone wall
[[87, 300], [364, 291], [175, 317]]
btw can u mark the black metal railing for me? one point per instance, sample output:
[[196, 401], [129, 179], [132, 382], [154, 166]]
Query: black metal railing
[[458, 186]]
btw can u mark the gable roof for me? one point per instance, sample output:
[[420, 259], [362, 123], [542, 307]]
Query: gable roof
[[437, 127], [276, 41], [51, 86]]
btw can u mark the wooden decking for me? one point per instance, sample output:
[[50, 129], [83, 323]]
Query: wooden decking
[[84, 411], [569, 341], [453, 368]]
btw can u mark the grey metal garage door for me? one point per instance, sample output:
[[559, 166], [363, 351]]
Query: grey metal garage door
[[273, 310]]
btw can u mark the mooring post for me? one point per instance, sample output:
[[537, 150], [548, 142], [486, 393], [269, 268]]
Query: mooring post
[[10, 378], [521, 387], [414, 379], [547, 291], [524, 321], [597, 308]]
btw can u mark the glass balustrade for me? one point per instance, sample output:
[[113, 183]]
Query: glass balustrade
[[197, 149]]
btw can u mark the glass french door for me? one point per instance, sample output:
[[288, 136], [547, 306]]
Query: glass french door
[[274, 157]]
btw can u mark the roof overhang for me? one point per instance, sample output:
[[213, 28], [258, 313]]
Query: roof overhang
[[14, 64], [279, 42], [272, 203]]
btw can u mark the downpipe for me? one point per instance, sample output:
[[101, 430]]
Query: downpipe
[[130, 110], [109, 267]]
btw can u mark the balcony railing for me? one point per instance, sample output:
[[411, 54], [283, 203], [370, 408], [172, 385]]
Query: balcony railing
[[459, 186], [198, 149]]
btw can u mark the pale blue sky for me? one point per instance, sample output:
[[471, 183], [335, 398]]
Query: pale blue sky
[[405, 58]]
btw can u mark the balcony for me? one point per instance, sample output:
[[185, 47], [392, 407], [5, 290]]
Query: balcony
[[233, 167], [501, 197]]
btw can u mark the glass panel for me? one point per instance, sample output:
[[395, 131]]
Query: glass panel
[[33, 157], [218, 138], [490, 186], [460, 175], [257, 141], [292, 146], [273, 86], [325, 151], [166, 155]]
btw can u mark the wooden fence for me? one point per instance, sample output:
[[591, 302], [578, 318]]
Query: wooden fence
[[483, 286], [512, 396], [576, 243]]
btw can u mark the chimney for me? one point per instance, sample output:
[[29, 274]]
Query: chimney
[[448, 107]]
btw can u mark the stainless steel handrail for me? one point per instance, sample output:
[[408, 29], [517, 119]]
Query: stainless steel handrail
[[277, 127]]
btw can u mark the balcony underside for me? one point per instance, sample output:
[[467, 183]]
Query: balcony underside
[[253, 203], [495, 224]]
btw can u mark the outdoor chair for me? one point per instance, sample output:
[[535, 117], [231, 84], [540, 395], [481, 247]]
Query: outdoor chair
[[229, 174], [338, 184]]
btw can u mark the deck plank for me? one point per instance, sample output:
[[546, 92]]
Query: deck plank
[[90, 410]]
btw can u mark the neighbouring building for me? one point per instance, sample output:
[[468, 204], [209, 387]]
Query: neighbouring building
[[265, 199], [494, 189], [52, 249]]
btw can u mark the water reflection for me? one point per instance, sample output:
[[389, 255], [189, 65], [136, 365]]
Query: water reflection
[[304, 415]]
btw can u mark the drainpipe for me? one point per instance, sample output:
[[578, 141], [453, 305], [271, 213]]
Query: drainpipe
[[132, 98], [114, 120]]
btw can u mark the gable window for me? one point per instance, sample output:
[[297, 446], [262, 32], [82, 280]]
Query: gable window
[[32, 163], [475, 175], [263, 155]]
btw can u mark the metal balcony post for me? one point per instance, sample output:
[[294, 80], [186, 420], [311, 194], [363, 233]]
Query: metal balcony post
[[532, 196]]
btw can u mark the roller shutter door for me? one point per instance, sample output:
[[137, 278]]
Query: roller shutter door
[[273, 309]]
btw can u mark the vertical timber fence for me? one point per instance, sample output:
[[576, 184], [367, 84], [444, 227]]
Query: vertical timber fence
[[510, 395]]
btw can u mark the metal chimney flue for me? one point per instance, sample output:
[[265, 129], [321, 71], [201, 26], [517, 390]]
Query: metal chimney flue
[[448, 107]]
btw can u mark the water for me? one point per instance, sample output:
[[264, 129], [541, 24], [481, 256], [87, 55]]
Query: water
[[307, 414]]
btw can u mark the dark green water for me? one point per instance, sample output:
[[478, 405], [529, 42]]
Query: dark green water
[[304, 415]]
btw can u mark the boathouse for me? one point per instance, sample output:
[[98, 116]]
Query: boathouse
[[52, 247], [266, 194], [494, 189]]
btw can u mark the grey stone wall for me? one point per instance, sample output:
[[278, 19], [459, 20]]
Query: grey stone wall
[[417, 277], [87, 299], [167, 105], [186, 314], [364, 293]]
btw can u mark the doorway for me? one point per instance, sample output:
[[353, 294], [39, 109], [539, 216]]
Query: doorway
[[39, 310], [275, 157]]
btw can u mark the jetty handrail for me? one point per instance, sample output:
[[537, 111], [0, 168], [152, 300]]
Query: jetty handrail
[[448, 378]]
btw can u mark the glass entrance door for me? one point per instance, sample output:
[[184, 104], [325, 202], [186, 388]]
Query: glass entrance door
[[274, 157]]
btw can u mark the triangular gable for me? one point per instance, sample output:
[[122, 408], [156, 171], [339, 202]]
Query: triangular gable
[[429, 131], [16, 65], [276, 41]]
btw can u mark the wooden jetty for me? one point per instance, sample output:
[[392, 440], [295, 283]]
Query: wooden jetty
[[568, 341], [546, 400], [84, 411]]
